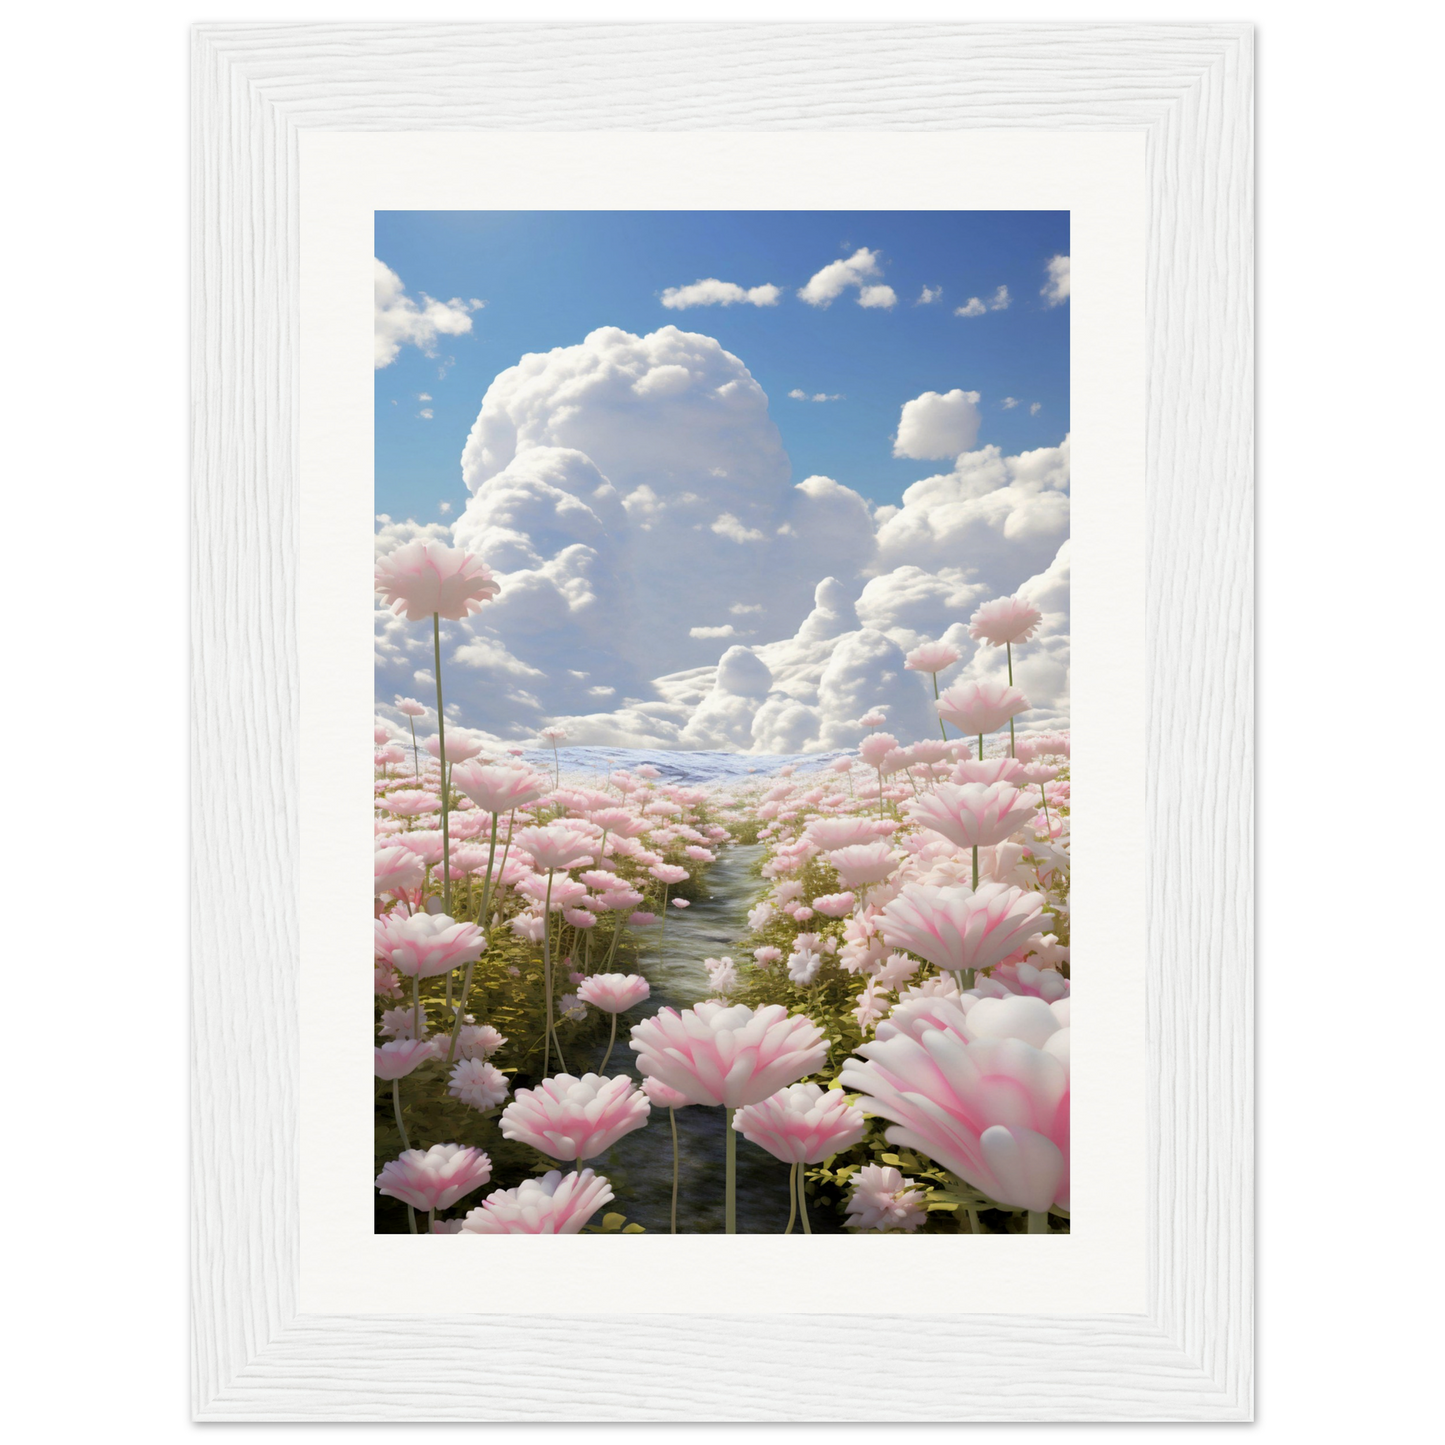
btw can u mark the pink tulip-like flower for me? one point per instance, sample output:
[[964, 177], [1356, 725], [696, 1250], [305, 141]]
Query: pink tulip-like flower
[[410, 802], [802, 1123], [955, 928], [421, 945], [767, 955], [398, 868], [873, 749], [426, 843], [994, 1111], [1005, 619], [436, 1178], [874, 719], [398, 1058], [830, 834], [391, 753], [496, 789], [980, 707], [664, 1096], [553, 735], [399, 1023], [570, 1118], [460, 747], [973, 815], [835, 905], [410, 707], [883, 1199], [613, 993], [641, 919], [730, 1055], [554, 1204], [863, 864], [619, 898], [988, 770], [478, 1041], [932, 657], [480, 1085], [681, 903], [668, 873], [555, 846], [620, 821], [530, 926], [426, 577]]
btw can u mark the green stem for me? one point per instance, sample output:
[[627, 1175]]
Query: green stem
[[396, 1107], [415, 1008], [975, 867], [803, 1199], [1038, 1221], [980, 747], [672, 1118], [1009, 647], [481, 917], [941, 727], [611, 1040], [792, 1196], [436, 639], [730, 1203], [547, 980], [415, 756]]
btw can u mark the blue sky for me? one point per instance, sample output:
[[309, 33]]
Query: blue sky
[[548, 278]]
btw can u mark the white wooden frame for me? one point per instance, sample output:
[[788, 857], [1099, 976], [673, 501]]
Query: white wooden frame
[[1187, 88]]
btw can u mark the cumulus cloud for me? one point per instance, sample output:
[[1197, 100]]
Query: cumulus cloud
[[798, 394], [999, 300], [972, 307], [1035, 408], [632, 495], [976, 306], [937, 425], [827, 285], [929, 295], [400, 321], [713, 292], [1056, 287]]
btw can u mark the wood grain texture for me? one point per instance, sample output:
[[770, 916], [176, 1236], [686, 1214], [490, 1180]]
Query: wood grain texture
[[1188, 89]]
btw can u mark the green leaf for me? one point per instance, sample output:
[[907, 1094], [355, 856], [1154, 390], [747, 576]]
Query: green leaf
[[634, 1229], [613, 1221]]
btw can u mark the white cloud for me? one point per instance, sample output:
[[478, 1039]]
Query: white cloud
[[999, 301], [1035, 408], [425, 413], [1009, 402], [401, 322], [827, 285], [728, 526], [742, 609], [444, 508], [1056, 288], [973, 307], [728, 630], [798, 394], [874, 297], [934, 425], [719, 293], [423, 396], [929, 295]]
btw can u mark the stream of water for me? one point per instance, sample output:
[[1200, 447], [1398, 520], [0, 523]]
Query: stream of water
[[639, 1165]]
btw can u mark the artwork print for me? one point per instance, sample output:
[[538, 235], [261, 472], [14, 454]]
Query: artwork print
[[722, 755]]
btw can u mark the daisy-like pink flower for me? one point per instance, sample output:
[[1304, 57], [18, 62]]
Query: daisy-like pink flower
[[730, 1055], [835, 905], [802, 1123], [873, 749], [478, 1084], [973, 815], [399, 1023], [988, 771], [932, 657], [436, 1178], [478, 1041], [874, 719], [767, 955], [422, 578], [1004, 620], [460, 747], [830, 834], [976, 708], [421, 945], [410, 802], [619, 822], [663, 1095], [668, 873], [681, 903], [884, 1200], [613, 993], [410, 707], [398, 868], [570, 1118], [956, 928], [863, 864], [554, 1204], [398, 1058], [555, 846], [496, 789]]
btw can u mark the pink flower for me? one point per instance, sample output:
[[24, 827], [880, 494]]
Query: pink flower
[[932, 657], [828, 834], [722, 974], [973, 815], [426, 843], [460, 747], [681, 903], [423, 944], [530, 926], [834, 905], [620, 822], [994, 1111], [875, 748], [988, 770], [398, 1023], [426, 577], [553, 735], [874, 719], [802, 1123], [410, 707], [496, 789], [435, 1179], [664, 1096], [863, 864], [767, 956], [980, 707], [730, 1055], [955, 928], [398, 1058], [641, 919], [478, 1041], [668, 873], [556, 846], [803, 966], [570, 1118], [883, 1199], [410, 802], [553, 1204], [1006, 619], [398, 868], [477, 1084], [614, 993], [619, 897]]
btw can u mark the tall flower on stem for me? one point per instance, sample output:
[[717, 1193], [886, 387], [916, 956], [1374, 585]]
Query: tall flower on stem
[[670, 1099], [1001, 623], [933, 658], [411, 710], [613, 993], [428, 577], [973, 815], [961, 930], [553, 736], [976, 708]]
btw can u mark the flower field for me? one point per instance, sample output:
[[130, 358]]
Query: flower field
[[829, 995]]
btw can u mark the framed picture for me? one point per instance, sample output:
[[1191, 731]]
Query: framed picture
[[744, 488]]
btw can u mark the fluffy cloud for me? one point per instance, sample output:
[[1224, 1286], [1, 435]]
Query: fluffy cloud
[[798, 394], [401, 322], [713, 292], [665, 584], [1056, 288], [937, 425], [974, 306], [827, 285], [929, 295]]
